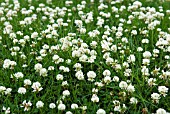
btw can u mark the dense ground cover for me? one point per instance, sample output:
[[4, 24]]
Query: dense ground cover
[[84, 57]]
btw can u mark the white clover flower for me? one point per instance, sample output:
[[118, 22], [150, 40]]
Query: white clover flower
[[43, 52], [145, 61], [95, 98], [83, 58], [68, 61], [51, 68], [13, 53], [139, 49], [109, 61], [2, 88], [155, 97], [38, 58], [161, 111], [45, 46], [59, 77], [133, 100], [155, 71], [77, 66], [129, 22], [52, 105], [101, 111], [93, 53], [106, 55], [118, 34], [123, 85], [61, 68], [147, 54], [145, 41], [83, 108], [131, 58], [68, 3], [91, 59], [163, 90], [127, 72], [7, 110], [22, 42], [151, 81], [55, 57], [21, 90], [155, 52], [7, 91], [93, 44], [79, 23], [134, 32], [36, 86], [59, 102], [39, 104], [145, 71], [61, 107], [107, 79], [137, 3], [7, 63], [66, 93], [34, 35], [125, 40], [12, 63], [116, 79], [23, 56], [43, 72], [27, 82], [26, 38], [64, 83], [82, 30], [123, 108], [74, 106], [125, 64], [60, 21], [22, 23], [69, 112], [38, 67], [99, 84], [117, 108], [130, 88], [91, 75], [79, 75], [94, 90], [106, 73], [18, 75], [26, 105], [167, 57]]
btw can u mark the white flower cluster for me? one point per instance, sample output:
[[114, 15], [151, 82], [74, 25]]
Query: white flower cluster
[[9, 64], [4, 90], [85, 56], [42, 71]]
